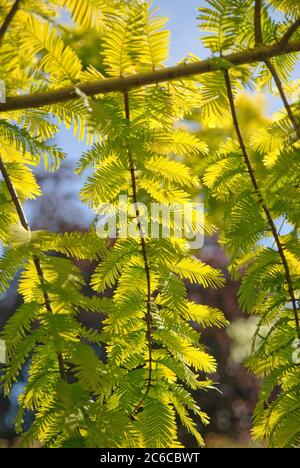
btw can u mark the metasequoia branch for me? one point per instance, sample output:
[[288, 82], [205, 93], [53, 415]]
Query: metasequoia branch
[[264, 206], [258, 42], [184, 70], [284, 99], [145, 259], [23, 220], [11, 14], [257, 23], [291, 30], [18, 206]]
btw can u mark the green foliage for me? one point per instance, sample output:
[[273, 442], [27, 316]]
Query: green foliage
[[246, 232], [153, 355], [129, 381]]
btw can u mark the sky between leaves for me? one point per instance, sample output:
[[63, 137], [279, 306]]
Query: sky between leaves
[[185, 38]]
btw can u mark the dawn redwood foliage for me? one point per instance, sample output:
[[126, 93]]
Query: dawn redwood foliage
[[154, 361]]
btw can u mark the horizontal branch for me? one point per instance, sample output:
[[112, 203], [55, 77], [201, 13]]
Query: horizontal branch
[[258, 54]]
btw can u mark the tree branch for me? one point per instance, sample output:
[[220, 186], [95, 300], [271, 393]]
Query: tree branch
[[262, 201], [288, 34], [145, 259], [286, 103], [23, 220], [18, 206], [257, 23], [9, 18], [258, 54], [259, 41]]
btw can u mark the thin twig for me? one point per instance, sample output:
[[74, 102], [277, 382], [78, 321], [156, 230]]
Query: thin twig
[[288, 34], [145, 259], [11, 14], [284, 99], [17, 203], [258, 42], [23, 220], [261, 200]]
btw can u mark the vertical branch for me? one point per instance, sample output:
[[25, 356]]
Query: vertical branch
[[262, 201], [145, 258], [23, 220], [258, 42], [18, 206], [257, 23], [286, 104], [10, 16]]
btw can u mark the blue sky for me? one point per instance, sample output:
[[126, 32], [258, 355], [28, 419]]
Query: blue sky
[[185, 36]]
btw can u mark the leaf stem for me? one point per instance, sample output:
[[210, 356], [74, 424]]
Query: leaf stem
[[145, 259], [11, 14], [23, 220], [288, 34], [284, 99], [258, 42], [262, 201], [18, 206]]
